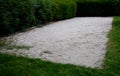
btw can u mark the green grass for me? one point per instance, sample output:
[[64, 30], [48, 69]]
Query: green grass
[[113, 55], [20, 66]]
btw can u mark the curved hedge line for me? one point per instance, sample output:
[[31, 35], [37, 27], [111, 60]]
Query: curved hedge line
[[16, 15]]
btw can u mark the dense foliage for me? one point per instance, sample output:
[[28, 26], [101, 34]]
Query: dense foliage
[[117, 6], [16, 15], [95, 8], [48, 10], [64, 9]]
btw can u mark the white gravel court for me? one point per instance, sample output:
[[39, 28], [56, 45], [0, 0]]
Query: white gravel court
[[80, 41]]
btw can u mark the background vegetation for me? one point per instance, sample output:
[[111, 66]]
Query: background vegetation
[[96, 8], [49, 10], [17, 15]]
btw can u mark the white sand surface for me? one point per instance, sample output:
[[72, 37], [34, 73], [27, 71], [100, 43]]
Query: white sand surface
[[80, 41]]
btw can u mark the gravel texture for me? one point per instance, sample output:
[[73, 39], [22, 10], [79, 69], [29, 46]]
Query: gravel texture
[[80, 41]]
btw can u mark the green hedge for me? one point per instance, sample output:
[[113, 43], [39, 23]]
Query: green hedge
[[64, 9], [43, 11], [117, 6], [15, 15], [48, 10], [96, 8]]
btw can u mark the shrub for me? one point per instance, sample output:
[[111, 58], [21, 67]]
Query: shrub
[[95, 8], [48, 10], [117, 6], [64, 9], [15, 15], [43, 11]]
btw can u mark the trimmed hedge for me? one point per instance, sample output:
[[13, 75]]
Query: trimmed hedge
[[96, 8], [48, 10], [15, 15], [64, 9], [44, 11], [117, 6]]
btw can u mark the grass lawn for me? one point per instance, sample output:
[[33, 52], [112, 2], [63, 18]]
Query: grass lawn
[[20, 66]]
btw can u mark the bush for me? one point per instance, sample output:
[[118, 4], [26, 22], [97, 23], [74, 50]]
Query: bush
[[43, 11], [95, 8], [64, 9], [15, 15], [117, 6], [48, 10]]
